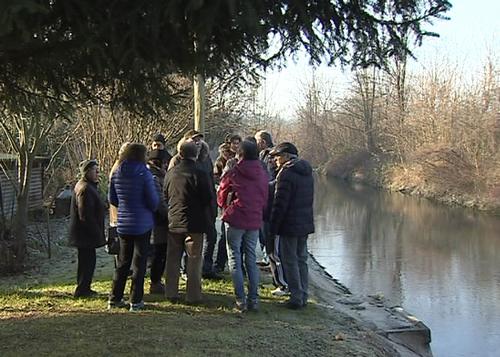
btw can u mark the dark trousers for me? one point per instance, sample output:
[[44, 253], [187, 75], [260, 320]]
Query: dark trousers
[[158, 262], [133, 252], [263, 233], [294, 258], [221, 260], [209, 248], [275, 262], [272, 247], [85, 270]]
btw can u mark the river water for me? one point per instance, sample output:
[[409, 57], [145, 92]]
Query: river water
[[440, 263]]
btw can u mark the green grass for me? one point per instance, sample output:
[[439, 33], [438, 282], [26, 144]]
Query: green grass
[[39, 316]]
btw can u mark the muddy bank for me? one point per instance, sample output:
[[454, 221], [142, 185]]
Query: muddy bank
[[395, 331], [439, 175]]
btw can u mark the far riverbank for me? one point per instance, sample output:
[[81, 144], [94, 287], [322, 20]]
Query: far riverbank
[[440, 175]]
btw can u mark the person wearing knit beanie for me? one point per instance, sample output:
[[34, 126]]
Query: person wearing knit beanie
[[85, 166], [86, 225]]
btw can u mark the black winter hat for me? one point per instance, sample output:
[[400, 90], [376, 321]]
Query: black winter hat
[[159, 137], [283, 148]]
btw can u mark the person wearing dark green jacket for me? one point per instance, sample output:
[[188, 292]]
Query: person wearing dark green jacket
[[86, 225]]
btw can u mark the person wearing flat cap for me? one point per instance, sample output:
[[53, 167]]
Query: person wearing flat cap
[[292, 218], [194, 135], [86, 225]]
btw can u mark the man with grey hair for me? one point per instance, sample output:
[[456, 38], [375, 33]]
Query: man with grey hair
[[292, 218], [188, 193], [265, 145]]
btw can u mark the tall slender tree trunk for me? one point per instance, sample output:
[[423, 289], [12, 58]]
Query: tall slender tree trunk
[[25, 163], [199, 103], [20, 231]]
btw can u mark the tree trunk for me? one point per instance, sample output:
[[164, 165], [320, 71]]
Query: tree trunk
[[20, 231], [199, 103], [21, 217]]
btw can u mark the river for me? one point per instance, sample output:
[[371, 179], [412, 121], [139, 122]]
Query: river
[[440, 263]]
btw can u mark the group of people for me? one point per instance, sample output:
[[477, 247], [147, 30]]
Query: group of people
[[265, 194]]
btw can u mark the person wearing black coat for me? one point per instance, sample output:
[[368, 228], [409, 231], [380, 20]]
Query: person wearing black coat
[[157, 164], [188, 194], [86, 225], [292, 218]]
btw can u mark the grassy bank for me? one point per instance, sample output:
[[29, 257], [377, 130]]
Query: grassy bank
[[39, 316], [440, 175]]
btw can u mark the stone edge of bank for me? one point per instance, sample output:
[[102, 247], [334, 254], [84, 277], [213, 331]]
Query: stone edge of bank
[[399, 331]]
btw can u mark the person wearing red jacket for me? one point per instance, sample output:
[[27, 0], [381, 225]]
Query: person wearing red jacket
[[243, 195]]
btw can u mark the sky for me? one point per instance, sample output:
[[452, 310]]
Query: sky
[[472, 33]]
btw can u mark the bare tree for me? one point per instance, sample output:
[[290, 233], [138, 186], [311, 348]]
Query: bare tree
[[25, 131]]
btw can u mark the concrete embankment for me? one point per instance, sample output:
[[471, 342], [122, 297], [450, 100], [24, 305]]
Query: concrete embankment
[[399, 331]]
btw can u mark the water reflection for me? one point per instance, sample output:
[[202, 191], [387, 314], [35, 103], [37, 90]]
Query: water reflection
[[440, 263]]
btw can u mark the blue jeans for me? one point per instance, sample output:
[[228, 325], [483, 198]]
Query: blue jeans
[[242, 243]]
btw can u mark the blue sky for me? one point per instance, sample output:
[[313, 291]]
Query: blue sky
[[472, 32]]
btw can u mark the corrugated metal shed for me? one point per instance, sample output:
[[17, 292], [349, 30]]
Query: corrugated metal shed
[[7, 191]]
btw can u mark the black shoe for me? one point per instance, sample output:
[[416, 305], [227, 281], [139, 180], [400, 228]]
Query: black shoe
[[253, 306], [135, 307], [240, 307], [85, 294], [211, 276], [174, 300], [292, 305], [194, 302], [117, 304], [218, 270]]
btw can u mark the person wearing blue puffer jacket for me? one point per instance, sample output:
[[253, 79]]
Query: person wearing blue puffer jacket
[[133, 191]]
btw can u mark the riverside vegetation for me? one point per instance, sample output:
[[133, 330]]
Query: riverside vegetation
[[434, 133], [38, 315]]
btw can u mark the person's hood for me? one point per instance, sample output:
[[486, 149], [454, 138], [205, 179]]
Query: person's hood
[[301, 167], [131, 168], [250, 169]]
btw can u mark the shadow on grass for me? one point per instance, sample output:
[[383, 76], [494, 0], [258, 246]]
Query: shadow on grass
[[218, 298], [47, 320], [162, 330]]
